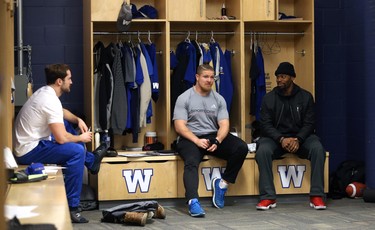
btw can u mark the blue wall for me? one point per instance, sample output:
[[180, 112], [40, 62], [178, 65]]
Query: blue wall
[[344, 66], [54, 30], [344, 85]]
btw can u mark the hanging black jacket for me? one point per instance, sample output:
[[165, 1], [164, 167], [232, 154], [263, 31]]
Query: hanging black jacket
[[287, 116]]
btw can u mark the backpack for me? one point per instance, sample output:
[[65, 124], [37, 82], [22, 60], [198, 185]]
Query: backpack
[[347, 172]]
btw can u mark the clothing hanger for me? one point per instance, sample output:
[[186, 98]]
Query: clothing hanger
[[212, 40], [275, 47], [251, 40], [187, 39], [139, 37], [149, 37]]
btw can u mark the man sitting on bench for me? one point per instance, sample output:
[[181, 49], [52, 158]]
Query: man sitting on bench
[[287, 125], [43, 115]]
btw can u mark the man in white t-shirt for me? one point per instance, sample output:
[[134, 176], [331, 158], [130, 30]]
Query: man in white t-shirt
[[41, 136]]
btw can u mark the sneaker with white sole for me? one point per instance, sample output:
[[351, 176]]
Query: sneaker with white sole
[[266, 204], [195, 208], [317, 203], [218, 193]]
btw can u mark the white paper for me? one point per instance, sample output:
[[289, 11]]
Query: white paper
[[133, 155], [9, 160], [20, 211]]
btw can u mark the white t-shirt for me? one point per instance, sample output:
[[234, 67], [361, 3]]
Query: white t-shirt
[[31, 124]]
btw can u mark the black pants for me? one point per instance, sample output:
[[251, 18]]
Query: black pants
[[232, 149], [269, 150]]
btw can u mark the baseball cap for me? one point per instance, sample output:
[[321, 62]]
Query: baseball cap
[[124, 17], [146, 11]]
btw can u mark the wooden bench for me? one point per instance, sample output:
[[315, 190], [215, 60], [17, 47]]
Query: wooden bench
[[155, 177], [49, 198]]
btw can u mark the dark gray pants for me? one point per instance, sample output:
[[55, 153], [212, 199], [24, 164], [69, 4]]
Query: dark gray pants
[[232, 149], [268, 150]]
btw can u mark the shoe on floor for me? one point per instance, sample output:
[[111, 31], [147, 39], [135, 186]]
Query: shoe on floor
[[76, 218], [317, 203], [160, 212], [99, 153], [266, 204], [218, 193], [195, 208], [138, 218]]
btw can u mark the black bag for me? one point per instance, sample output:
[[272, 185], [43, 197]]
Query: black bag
[[347, 172]]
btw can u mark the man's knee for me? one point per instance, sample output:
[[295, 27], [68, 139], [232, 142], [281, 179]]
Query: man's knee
[[242, 148]]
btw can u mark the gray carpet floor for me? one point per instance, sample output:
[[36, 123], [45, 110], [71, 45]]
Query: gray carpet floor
[[292, 212]]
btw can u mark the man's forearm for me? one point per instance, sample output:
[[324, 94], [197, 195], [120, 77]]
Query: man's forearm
[[70, 117]]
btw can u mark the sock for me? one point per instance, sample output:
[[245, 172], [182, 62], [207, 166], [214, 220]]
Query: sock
[[73, 209], [223, 184]]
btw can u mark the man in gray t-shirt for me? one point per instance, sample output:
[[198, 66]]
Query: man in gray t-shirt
[[201, 119]]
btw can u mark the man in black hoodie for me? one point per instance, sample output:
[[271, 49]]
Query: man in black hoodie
[[287, 126]]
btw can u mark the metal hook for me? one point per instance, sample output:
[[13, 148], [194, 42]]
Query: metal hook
[[187, 39], [149, 37], [139, 38], [212, 40]]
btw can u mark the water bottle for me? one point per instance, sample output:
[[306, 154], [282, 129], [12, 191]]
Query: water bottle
[[106, 139], [97, 139]]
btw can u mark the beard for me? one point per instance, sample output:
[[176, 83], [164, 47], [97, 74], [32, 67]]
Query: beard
[[65, 89]]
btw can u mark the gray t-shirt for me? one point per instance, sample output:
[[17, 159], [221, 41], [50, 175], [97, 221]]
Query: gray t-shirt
[[202, 113]]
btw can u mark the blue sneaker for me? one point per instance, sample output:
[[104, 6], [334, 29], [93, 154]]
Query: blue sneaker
[[195, 208], [218, 193]]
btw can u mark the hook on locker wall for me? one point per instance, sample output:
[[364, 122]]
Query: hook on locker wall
[[302, 52]]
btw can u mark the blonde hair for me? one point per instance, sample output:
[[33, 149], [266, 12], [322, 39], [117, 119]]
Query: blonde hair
[[204, 67]]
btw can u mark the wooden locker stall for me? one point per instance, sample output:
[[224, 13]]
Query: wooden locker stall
[[292, 40]]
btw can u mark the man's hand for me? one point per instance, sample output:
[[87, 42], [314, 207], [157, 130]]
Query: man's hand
[[82, 125], [290, 144], [203, 143], [86, 137]]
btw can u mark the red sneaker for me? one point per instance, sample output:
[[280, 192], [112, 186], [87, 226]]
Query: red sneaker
[[266, 204], [317, 203]]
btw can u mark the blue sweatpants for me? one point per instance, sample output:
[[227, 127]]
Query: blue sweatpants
[[71, 155]]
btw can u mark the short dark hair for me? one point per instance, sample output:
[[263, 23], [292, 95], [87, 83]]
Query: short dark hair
[[55, 71], [204, 67]]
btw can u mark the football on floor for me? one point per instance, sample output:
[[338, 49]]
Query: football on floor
[[355, 189]]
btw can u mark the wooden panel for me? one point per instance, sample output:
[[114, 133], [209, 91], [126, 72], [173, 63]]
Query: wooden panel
[[298, 167], [210, 168], [182, 10], [137, 180], [48, 196], [105, 10], [6, 74], [257, 10]]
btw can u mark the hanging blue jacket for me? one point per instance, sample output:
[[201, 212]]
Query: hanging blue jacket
[[186, 49], [260, 83], [151, 49], [224, 83]]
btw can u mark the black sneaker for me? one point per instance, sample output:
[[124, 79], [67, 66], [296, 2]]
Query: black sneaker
[[99, 153], [76, 217]]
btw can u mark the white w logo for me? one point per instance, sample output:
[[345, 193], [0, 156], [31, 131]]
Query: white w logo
[[138, 177], [294, 173], [208, 176]]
